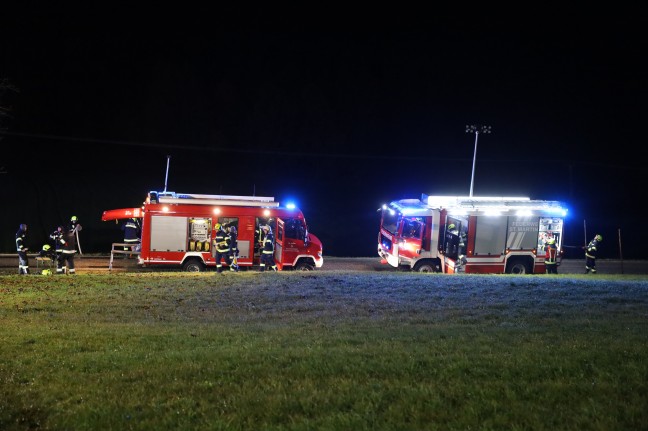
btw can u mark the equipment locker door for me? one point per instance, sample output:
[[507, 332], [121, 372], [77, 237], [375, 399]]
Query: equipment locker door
[[280, 240]]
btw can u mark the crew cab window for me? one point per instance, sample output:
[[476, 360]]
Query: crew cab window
[[412, 227], [295, 229]]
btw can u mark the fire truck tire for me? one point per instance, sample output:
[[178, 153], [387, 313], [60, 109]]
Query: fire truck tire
[[427, 266], [518, 267], [304, 266], [193, 265]]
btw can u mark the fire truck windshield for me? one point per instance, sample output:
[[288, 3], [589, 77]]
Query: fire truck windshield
[[390, 219]]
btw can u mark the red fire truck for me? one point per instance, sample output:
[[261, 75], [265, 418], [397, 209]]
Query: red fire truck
[[454, 234], [178, 230]]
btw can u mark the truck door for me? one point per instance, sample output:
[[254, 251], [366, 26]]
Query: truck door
[[412, 236], [280, 242]]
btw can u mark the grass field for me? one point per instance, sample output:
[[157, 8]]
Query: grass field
[[323, 351]]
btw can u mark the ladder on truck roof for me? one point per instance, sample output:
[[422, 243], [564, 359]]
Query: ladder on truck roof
[[200, 199]]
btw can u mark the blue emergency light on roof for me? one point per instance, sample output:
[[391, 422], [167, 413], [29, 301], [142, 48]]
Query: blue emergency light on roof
[[290, 206], [558, 210]]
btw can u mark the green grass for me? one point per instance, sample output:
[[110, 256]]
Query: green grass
[[325, 351]]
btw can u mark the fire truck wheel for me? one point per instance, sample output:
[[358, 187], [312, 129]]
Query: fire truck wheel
[[518, 267], [193, 265], [426, 266], [304, 266]]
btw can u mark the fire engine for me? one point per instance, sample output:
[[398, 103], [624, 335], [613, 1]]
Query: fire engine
[[178, 230], [453, 234]]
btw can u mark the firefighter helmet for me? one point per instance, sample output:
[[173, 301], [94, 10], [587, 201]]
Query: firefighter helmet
[[46, 272], [46, 247], [73, 219], [598, 238], [217, 226], [451, 226], [551, 240]]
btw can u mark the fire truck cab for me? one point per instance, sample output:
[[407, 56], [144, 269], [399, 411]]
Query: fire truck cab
[[178, 229], [453, 234]]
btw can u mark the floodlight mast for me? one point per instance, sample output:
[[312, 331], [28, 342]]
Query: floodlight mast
[[476, 130], [167, 175]]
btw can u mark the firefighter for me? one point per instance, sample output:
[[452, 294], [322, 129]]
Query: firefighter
[[23, 261], [461, 259], [132, 234], [65, 263], [74, 221], [258, 236], [222, 247], [47, 252], [590, 254], [76, 227], [267, 250], [551, 251], [233, 254], [57, 237]]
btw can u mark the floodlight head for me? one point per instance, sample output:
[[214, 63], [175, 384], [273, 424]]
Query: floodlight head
[[471, 128]]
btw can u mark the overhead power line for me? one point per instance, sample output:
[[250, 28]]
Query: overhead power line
[[373, 155]]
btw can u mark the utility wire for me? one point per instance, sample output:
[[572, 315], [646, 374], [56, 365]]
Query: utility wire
[[364, 155]]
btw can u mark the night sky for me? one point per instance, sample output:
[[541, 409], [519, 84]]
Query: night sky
[[340, 111]]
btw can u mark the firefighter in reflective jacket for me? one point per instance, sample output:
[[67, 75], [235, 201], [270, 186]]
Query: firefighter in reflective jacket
[[233, 237], [267, 250], [222, 247], [66, 259], [258, 238], [132, 233], [23, 262], [551, 251], [47, 252], [74, 222], [461, 249], [57, 237], [590, 254]]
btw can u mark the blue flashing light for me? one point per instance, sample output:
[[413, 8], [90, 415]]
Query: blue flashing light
[[290, 206], [559, 210]]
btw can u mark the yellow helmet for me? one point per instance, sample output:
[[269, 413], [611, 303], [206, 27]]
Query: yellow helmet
[[46, 247], [451, 226], [598, 238], [217, 226], [551, 241], [46, 272]]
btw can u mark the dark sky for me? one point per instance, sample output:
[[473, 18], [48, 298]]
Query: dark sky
[[341, 110]]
